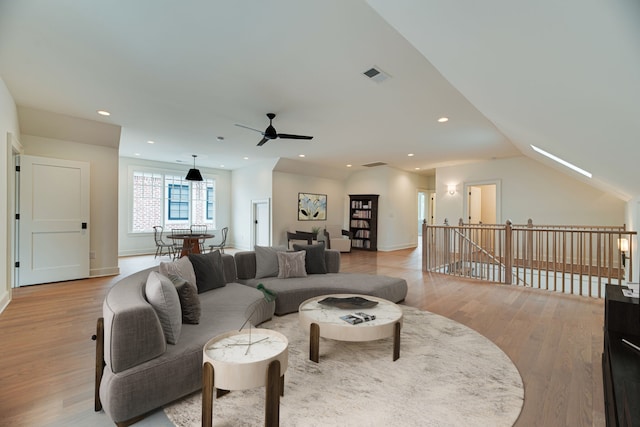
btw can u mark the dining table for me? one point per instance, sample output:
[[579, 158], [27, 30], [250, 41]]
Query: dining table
[[190, 241]]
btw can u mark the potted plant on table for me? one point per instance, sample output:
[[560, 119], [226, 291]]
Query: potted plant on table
[[315, 231]]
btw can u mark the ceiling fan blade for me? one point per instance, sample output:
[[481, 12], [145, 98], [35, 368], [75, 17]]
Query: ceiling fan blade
[[247, 127], [288, 136], [262, 141]]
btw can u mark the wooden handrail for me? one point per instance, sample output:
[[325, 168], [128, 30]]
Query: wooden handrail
[[569, 259]]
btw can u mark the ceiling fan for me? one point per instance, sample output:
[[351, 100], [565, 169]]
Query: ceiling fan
[[270, 132]]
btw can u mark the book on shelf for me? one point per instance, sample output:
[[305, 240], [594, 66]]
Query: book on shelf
[[358, 243], [363, 234], [359, 223], [361, 214]]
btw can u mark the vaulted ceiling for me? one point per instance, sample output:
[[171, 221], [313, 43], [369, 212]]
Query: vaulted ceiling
[[560, 75]]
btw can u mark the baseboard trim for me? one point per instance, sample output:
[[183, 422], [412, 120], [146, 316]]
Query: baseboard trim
[[5, 300], [398, 247], [102, 272], [136, 252]]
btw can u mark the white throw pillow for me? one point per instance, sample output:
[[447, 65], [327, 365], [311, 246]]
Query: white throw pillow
[[163, 297], [291, 264], [182, 267]]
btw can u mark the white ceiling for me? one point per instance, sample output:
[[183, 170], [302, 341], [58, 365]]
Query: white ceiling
[[560, 75]]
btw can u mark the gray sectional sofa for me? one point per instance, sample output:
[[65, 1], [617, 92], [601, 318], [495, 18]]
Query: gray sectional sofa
[[293, 291], [142, 371]]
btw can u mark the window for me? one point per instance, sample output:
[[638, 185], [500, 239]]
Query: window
[[165, 199], [178, 202], [210, 202]]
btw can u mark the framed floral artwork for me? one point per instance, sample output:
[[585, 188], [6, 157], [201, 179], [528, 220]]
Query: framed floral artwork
[[312, 207]]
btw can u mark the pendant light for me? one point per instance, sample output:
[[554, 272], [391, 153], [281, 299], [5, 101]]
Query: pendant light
[[194, 174]]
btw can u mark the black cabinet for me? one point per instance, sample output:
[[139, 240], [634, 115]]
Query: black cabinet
[[620, 361], [363, 221]]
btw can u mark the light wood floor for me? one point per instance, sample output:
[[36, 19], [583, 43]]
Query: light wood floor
[[47, 357]]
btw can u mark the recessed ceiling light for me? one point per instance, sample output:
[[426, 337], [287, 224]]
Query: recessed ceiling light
[[410, 154], [136, 154], [151, 142], [349, 165], [300, 155], [417, 169], [562, 162], [443, 119], [245, 158], [221, 166], [103, 112]]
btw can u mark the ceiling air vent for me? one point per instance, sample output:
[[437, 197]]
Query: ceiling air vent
[[374, 164], [376, 74]]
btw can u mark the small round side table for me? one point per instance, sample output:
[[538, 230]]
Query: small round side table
[[240, 360]]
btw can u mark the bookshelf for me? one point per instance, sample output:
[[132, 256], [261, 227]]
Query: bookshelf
[[363, 221]]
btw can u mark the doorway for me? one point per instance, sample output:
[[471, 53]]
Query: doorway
[[53, 226], [261, 222], [426, 208], [481, 204]]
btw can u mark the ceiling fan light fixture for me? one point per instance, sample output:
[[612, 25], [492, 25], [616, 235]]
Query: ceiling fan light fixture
[[194, 174]]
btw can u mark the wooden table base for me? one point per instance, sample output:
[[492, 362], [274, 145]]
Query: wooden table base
[[274, 390], [314, 342]]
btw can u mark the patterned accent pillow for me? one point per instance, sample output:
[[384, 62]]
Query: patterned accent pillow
[[189, 300], [163, 297], [315, 262], [291, 264]]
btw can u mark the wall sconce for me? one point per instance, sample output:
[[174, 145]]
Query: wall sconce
[[623, 246], [451, 188]]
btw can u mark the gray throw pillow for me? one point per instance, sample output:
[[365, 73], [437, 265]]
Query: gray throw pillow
[[314, 258], [189, 300], [209, 271], [267, 260], [163, 297], [291, 264]]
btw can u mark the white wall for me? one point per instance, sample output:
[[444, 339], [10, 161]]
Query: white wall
[[143, 243], [529, 190], [248, 184], [103, 221], [286, 187], [397, 204], [8, 125]]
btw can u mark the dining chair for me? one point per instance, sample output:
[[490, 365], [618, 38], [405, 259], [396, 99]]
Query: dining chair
[[161, 245], [222, 243], [200, 229], [179, 244]]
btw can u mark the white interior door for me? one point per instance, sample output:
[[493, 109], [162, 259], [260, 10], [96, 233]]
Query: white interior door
[[261, 223], [475, 205], [54, 220]]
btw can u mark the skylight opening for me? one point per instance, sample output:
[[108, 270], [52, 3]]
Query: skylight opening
[[562, 162]]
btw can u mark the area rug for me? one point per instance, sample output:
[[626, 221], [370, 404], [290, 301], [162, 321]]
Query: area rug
[[447, 375]]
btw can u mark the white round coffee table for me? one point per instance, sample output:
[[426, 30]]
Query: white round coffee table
[[240, 360], [324, 321]]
